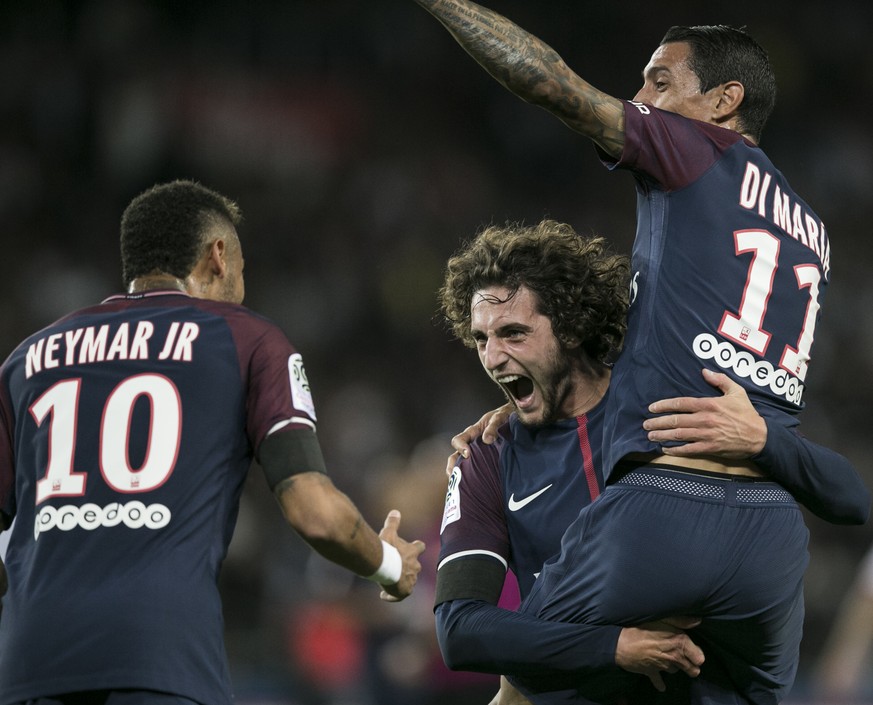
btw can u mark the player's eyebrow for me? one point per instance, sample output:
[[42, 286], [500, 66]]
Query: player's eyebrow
[[502, 330], [652, 70], [507, 329]]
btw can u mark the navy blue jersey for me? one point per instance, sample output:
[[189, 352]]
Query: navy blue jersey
[[729, 270], [126, 432], [513, 499], [511, 502]]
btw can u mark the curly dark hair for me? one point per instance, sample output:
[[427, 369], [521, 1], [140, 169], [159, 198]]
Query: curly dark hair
[[577, 282], [163, 230]]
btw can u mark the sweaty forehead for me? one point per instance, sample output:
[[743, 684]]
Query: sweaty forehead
[[672, 57], [497, 306]]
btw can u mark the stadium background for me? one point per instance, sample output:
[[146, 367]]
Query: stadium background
[[363, 145]]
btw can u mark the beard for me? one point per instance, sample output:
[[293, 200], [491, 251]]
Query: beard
[[232, 290], [554, 386]]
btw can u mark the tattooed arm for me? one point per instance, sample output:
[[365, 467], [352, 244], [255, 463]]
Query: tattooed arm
[[532, 70]]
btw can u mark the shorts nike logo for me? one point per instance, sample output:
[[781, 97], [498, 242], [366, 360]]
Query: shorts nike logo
[[514, 505]]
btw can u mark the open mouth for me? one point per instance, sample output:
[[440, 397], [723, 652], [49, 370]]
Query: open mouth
[[517, 387]]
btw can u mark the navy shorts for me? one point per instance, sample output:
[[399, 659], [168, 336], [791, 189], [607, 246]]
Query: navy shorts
[[661, 541]]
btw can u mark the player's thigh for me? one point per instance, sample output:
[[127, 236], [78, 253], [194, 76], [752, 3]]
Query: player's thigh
[[748, 658], [639, 555], [753, 622]]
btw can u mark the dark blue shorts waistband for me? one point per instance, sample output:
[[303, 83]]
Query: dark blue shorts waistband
[[732, 489]]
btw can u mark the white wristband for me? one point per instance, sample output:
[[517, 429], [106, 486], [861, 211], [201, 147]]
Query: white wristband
[[392, 566]]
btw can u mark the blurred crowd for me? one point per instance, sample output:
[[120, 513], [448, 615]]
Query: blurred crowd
[[363, 145]]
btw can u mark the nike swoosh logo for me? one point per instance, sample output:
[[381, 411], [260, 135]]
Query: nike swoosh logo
[[514, 505]]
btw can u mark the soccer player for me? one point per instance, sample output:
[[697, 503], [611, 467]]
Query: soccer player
[[729, 270], [126, 432], [545, 309]]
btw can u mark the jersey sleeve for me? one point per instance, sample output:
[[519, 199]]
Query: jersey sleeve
[[279, 396], [476, 636], [669, 149], [821, 479], [473, 526]]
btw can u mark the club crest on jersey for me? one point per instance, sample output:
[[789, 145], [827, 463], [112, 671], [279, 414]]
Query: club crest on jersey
[[452, 511], [301, 395]]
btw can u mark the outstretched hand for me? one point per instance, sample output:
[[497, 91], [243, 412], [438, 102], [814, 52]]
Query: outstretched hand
[[409, 552], [727, 426], [659, 646]]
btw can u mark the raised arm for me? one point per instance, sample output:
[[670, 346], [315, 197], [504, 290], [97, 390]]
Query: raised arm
[[821, 479], [532, 70]]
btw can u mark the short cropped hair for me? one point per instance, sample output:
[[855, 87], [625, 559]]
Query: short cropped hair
[[164, 229], [577, 282], [719, 54]]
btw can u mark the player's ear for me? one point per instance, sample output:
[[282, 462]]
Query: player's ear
[[217, 257], [728, 98]]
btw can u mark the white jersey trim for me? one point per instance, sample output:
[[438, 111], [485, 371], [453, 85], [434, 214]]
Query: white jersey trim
[[287, 422], [465, 554]]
